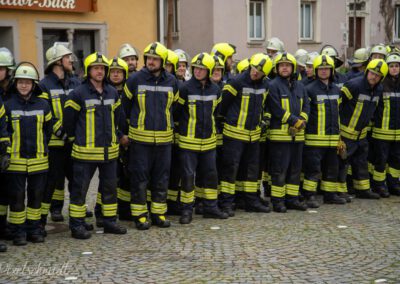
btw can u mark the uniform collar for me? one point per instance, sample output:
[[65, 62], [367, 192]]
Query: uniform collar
[[150, 77]]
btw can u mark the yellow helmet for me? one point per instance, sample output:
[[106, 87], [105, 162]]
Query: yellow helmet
[[204, 60], [284, 57], [379, 49], [301, 57], [118, 63], [323, 61], [156, 49], [93, 59], [333, 53], [219, 64], [392, 58], [261, 62], [6, 58], [378, 66], [173, 59], [127, 50], [242, 65], [26, 70], [223, 50]]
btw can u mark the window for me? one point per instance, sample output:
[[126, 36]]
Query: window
[[9, 36], [306, 21], [256, 20], [175, 28], [397, 24]]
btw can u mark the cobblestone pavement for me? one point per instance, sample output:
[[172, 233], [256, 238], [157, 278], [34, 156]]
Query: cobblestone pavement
[[354, 243]]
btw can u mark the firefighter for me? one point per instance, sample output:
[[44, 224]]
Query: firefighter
[[386, 133], [7, 64], [242, 107], [329, 50], [56, 86], [309, 78], [274, 46], [183, 65], [171, 65], [91, 116], [360, 97], [148, 99], [320, 160], [358, 63], [378, 51], [30, 127], [288, 104], [4, 161], [301, 57], [198, 100], [131, 56], [117, 76], [225, 51], [242, 65]]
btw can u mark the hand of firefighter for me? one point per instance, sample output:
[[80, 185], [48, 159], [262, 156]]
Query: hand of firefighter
[[342, 150], [124, 141], [264, 123], [4, 161], [300, 124], [293, 131]]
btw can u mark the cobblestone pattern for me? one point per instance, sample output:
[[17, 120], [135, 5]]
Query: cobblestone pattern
[[297, 247]]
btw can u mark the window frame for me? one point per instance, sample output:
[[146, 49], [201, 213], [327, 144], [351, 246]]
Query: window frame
[[302, 21], [396, 24], [256, 39]]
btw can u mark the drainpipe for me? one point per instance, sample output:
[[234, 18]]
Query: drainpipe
[[160, 21]]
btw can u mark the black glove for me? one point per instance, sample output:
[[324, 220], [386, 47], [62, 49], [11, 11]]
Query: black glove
[[3, 147], [4, 161]]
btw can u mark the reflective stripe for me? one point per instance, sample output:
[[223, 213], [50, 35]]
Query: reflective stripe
[[90, 128], [361, 184], [210, 193], [55, 93], [228, 187], [187, 197], [109, 210], [167, 109], [74, 105], [386, 114], [243, 111], [159, 208], [253, 91], [230, 89], [138, 209], [155, 88], [347, 93], [326, 97], [150, 136], [27, 113], [191, 129], [16, 138], [39, 136], [391, 95], [123, 194], [202, 98], [142, 110], [310, 185], [278, 191], [92, 102], [109, 102], [292, 189], [197, 144], [329, 186], [285, 106], [242, 134], [356, 115], [321, 119], [33, 213]]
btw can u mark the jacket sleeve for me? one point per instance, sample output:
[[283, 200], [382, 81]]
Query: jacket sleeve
[[182, 100], [3, 124], [118, 115], [48, 123], [305, 111], [72, 109], [274, 106], [229, 93], [128, 97]]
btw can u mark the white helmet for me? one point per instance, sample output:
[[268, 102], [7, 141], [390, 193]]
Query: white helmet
[[310, 57], [301, 57], [56, 52], [183, 56], [6, 58], [275, 43], [127, 50]]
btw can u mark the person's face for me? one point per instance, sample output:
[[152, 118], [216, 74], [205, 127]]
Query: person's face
[[256, 75], [67, 62], [116, 76], [309, 70], [216, 75], [181, 69], [285, 69], [132, 62], [169, 68], [200, 73], [394, 69], [377, 56], [271, 52], [324, 73], [3, 73], [24, 86], [153, 64], [97, 73], [373, 78]]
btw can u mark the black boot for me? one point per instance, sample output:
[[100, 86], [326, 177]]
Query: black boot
[[345, 196], [186, 217], [295, 204], [214, 213], [88, 227], [382, 191], [100, 222], [198, 206], [333, 198], [395, 190], [35, 238], [310, 199], [366, 194], [279, 206], [142, 223], [43, 223], [80, 233], [89, 214], [20, 241], [56, 216], [225, 201], [56, 210], [253, 203], [240, 200], [160, 221], [18, 232], [3, 247], [112, 227], [173, 208]]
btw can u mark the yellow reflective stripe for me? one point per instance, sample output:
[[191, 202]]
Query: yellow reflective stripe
[[3, 210], [109, 210], [292, 189], [149, 136], [16, 136], [321, 119], [138, 209], [17, 217], [198, 192], [342, 187], [187, 197], [2, 111], [379, 176], [127, 92], [352, 134], [142, 110], [239, 186], [278, 191], [197, 144], [361, 184], [72, 104], [123, 194], [283, 135], [321, 140], [44, 95], [215, 104], [386, 114], [44, 209], [329, 186], [346, 92], [244, 105], [310, 185], [242, 134], [181, 101], [210, 193], [250, 186], [227, 187], [393, 172], [230, 89], [158, 208], [90, 120], [94, 153], [58, 194], [77, 211], [192, 119], [172, 195], [304, 115], [28, 165], [98, 198], [57, 108], [33, 213], [167, 109], [39, 136], [356, 115]]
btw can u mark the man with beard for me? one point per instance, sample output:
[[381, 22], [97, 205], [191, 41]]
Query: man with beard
[[148, 98]]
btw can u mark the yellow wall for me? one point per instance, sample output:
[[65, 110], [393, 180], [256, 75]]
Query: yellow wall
[[133, 21]]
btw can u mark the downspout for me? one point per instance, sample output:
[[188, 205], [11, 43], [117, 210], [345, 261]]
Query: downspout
[[160, 21]]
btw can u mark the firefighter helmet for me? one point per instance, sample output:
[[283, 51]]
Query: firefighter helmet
[[377, 66], [127, 50], [261, 62], [158, 50], [94, 59], [333, 53], [284, 57], [392, 58], [205, 61], [173, 59], [242, 65], [301, 57], [118, 63], [275, 43], [223, 50], [6, 58]]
